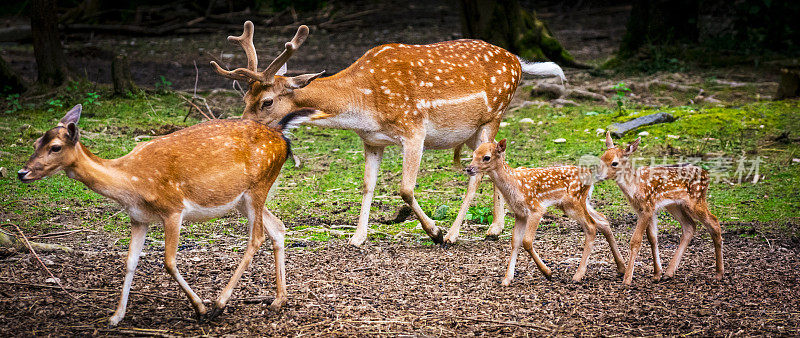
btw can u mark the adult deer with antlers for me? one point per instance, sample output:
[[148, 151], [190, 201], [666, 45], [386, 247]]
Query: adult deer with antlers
[[436, 96], [194, 174], [680, 189]]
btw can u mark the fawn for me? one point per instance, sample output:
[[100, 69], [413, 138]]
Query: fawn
[[193, 174], [529, 191], [680, 189]]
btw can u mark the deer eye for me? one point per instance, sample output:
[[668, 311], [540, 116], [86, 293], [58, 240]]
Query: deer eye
[[487, 158], [614, 164], [266, 104], [55, 149]]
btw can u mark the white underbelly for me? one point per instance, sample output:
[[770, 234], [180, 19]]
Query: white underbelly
[[194, 212]]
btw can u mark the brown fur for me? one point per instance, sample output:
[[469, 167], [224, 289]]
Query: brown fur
[[681, 190], [193, 174], [529, 191], [436, 96]]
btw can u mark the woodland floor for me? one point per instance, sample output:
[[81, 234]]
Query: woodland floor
[[401, 286], [408, 288]]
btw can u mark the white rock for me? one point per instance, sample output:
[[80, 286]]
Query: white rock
[[586, 130], [52, 280], [560, 140], [599, 131], [796, 160], [526, 120], [644, 133], [227, 56], [503, 124], [673, 136], [540, 123]]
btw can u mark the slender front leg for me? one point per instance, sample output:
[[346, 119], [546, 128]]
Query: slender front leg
[[498, 214], [605, 229], [636, 244], [689, 227], [277, 232], [530, 235], [589, 234], [138, 232], [452, 234], [255, 211], [372, 156], [652, 237], [172, 228], [457, 158], [412, 155], [516, 241]]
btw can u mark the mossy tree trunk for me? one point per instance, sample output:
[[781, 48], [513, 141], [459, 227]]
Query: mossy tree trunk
[[51, 63], [504, 23], [660, 22]]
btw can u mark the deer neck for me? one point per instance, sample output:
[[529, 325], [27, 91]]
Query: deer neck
[[628, 182], [506, 182], [344, 97], [98, 174]]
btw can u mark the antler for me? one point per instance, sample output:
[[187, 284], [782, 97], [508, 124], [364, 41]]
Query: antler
[[251, 72]]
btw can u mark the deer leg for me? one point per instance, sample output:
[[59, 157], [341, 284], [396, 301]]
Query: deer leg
[[452, 234], [589, 234], [516, 241], [527, 242], [636, 245], [711, 222], [172, 228], [412, 155], [138, 232], [498, 215], [688, 227], [457, 158], [277, 232], [254, 207], [652, 237], [605, 229], [373, 156]]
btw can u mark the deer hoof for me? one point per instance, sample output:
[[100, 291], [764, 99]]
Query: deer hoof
[[492, 237], [213, 313], [277, 304]]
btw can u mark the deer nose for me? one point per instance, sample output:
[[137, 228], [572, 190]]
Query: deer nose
[[21, 174], [470, 171]]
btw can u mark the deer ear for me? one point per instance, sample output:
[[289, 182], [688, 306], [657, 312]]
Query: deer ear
[[501, 146], [609, 141], [73, 132], [301, 81], [282, 71], [633, 146], [72, 116]]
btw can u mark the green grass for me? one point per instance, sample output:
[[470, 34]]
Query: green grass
[[326, 192]]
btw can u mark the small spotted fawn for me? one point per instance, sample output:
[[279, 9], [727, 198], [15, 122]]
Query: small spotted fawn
[[529, 191], [193, 174], [680, 189]]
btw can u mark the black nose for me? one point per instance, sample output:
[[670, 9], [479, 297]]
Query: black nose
[[21, 174]]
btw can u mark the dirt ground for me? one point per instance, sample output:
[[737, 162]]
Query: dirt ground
[[413, 288]]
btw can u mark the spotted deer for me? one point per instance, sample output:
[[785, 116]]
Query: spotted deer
[[529, 191], [680, 189], [436, 96], [193, 174]]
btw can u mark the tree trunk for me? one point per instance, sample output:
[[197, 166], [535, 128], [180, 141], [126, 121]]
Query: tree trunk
[[789, 86], [121, 75], [11, 81], [505, 24], [50, 61], [660, 22]]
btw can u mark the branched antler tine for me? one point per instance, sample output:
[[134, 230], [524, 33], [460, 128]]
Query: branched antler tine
[[246, 41], [289, 49], [241, 74]]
